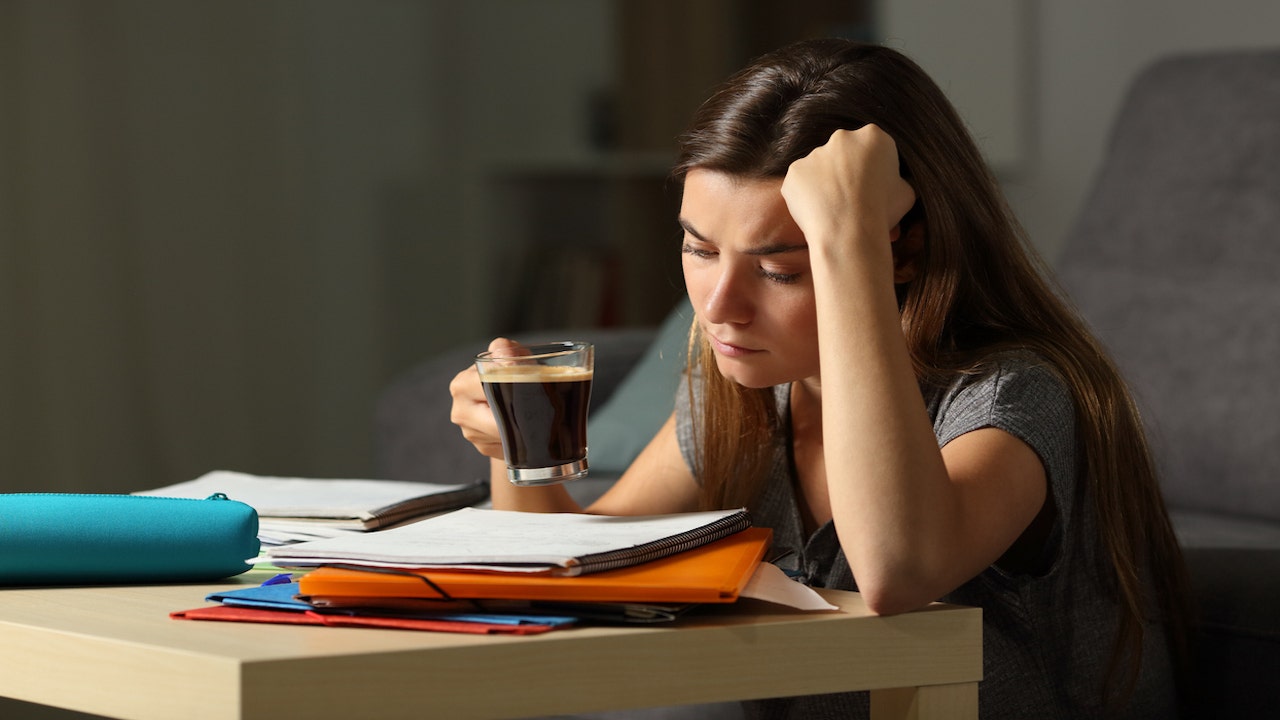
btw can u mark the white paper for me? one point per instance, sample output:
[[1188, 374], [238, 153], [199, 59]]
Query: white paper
[[770, 584], [272, 531], [305, 497], [497, 537]]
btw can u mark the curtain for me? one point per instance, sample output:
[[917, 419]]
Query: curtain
[[202, 206]]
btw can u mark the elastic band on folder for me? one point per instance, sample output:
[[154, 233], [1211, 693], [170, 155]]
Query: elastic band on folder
[[392, 571]]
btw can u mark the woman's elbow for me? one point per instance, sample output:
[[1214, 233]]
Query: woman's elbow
[[887, 604], [886, 596]]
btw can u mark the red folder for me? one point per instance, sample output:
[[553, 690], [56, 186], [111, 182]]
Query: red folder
[[287, 617], [713, 573]]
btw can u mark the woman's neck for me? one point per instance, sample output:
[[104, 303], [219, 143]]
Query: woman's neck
[[807, 454], [808, 392]]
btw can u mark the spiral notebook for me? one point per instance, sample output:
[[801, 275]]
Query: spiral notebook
[[716, 572], [297, 509], [502, 540]]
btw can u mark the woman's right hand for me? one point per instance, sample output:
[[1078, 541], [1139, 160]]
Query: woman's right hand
[[853, 178], [471, 411]]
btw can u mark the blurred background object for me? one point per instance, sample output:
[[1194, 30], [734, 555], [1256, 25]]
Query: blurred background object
[[225, 226]]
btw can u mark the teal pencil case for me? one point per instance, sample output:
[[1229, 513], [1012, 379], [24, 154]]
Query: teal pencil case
[[96, 539]]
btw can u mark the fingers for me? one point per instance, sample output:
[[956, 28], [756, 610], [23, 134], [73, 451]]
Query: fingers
[[883, 155], [903, 199], [505, 347], [855, 173], [470, 410]]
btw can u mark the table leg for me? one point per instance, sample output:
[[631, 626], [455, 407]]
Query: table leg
[[931, 702]]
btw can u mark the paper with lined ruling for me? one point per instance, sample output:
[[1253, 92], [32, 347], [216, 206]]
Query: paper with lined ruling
[[520, 541]]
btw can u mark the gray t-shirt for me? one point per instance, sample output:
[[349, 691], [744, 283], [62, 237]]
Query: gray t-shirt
[[1047, 635]]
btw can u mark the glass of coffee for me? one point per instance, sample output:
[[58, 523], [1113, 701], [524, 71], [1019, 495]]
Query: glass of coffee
[[539, 395]]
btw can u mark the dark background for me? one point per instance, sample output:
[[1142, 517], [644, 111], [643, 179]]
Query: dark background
[[225, 226]]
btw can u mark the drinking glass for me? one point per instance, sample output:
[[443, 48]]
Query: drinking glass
[[539, 395]]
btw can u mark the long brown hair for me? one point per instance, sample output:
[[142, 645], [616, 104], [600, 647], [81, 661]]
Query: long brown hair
[[980, 288]]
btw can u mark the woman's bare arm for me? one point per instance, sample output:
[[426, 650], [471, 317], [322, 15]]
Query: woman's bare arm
[[914, 521]]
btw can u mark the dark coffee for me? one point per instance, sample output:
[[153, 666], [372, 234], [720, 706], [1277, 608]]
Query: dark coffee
[[541, 413]]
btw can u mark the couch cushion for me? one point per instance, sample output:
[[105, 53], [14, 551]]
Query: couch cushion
[[1174, 261], [625, 424], [1201, 356], [1215, 530]]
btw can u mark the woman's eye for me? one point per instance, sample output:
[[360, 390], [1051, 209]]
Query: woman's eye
[[696, 251], [780, 278]]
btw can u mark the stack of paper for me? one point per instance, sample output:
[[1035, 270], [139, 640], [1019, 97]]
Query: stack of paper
[[504, 540], [460, 571], [486, 555], [294, 510]]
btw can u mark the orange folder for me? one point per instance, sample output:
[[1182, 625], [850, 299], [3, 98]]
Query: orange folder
[[713, 573]]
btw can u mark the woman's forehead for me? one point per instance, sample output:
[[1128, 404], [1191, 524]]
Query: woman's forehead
[[718, 206]]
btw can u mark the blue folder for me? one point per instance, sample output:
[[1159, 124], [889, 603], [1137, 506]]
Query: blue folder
[[283, 596]]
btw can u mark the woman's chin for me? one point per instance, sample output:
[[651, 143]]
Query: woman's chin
[[746, 377]]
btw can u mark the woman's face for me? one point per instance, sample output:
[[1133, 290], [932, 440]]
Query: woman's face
[[746, 267]]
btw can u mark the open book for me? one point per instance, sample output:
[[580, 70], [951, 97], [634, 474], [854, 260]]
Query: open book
[[296, 509], [501, 540]]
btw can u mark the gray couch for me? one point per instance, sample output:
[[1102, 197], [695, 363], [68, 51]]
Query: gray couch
[[1175, 261]]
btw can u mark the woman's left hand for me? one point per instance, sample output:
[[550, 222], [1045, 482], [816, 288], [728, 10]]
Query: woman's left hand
[[849, 185]]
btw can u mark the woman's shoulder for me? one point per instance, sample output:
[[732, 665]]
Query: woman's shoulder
[[1006, 372], [1015, 389]]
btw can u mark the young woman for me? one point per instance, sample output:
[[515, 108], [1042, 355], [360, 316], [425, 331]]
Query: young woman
[[882, 374]]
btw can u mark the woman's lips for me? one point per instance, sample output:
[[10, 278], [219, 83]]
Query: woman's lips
[[729, 349]]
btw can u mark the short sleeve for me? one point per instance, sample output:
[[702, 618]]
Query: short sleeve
[[685, 424], [1027, 399]]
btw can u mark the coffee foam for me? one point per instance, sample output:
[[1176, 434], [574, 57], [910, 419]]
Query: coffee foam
[[529, 374]]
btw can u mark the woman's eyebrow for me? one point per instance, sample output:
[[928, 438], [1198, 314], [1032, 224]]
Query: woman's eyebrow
[[689, 228], [777, 248], [774, 248]]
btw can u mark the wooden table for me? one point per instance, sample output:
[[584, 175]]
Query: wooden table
[[115, 652]]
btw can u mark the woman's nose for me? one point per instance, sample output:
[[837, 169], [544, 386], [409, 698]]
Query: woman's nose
[[729, 301]]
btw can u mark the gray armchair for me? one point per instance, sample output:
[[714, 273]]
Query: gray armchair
[[1175, 260]]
